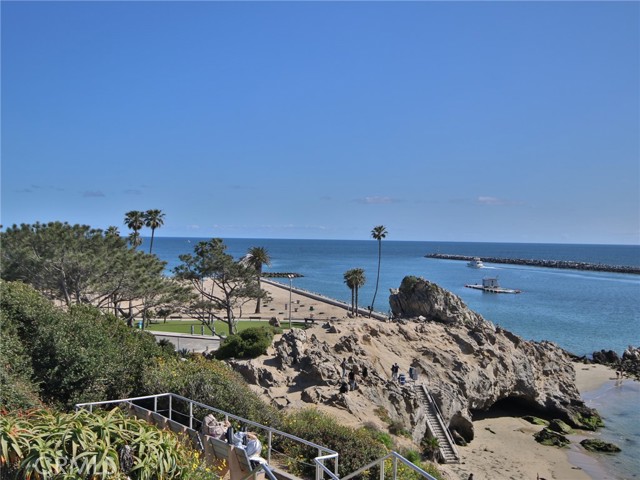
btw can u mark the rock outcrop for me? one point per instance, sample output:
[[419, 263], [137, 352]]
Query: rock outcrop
[[467, 363]]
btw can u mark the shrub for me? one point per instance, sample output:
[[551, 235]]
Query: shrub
[[249, 343], [357, 447], [77, 356], [211, 382], [83, 445]]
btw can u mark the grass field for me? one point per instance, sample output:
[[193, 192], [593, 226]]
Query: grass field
[[221, 328]]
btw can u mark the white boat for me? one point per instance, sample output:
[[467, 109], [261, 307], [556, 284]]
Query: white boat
[[475, 263]]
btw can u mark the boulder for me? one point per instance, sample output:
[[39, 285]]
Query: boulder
[[551, 438], [594, 445], [467, 364]]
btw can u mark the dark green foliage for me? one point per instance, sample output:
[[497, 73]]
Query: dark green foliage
[[17, 389], [210, 382], [357, 447], [77, 356], [249, 343]]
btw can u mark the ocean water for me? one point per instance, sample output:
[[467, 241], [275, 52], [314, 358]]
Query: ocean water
[[580, 311]]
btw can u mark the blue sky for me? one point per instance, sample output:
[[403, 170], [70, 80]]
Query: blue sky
[[460, 121]]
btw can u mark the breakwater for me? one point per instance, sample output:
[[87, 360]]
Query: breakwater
[[566, 264]]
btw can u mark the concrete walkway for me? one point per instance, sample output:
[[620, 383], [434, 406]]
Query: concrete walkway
[[193, 343]]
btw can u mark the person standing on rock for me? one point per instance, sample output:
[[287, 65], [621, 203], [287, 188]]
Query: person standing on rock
[[394, 371], [352, 379], [344, 367]]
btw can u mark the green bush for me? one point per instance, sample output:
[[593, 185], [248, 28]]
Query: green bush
[[77, 356], [17, 389], [211, 382], [357, 447], [249, 343]]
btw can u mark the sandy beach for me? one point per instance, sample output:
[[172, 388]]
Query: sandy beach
[[503, 447]]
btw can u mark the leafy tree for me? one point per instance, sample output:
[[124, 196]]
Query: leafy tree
[[232, 283], [134, 220], [78, 264], [256, 257], [378, 233], [153, 219], [355, 278], [112, 231], [64, 261]]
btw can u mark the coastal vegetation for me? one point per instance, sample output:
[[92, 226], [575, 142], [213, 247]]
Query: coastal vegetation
[[41, 443], [232, 283], [249, 343], [257, 257], [354, 279]]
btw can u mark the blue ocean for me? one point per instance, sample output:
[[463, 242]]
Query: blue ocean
[[581, 311]]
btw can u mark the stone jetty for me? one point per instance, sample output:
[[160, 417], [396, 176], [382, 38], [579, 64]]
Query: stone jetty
[[567, 264]]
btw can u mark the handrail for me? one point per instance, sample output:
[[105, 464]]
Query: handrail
[[396, 457], [269, 430], [439, 416]]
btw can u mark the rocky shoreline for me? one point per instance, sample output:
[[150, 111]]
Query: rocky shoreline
[[565, 264]]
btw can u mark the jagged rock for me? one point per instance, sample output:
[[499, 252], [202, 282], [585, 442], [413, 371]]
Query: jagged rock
[[418, 297], [536, 420], [559, 426], [551, 438], [606, 357], [594, 445], [467, 364]]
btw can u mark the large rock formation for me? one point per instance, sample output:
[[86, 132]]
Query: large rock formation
[[467, 363]]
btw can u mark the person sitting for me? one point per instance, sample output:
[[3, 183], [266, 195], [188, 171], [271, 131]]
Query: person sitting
[[214, 428], [251, 444]]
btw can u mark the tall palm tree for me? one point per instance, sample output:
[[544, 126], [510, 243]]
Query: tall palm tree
[[378, 233], [348, 279], [135, 221], [355, 279], [153, 219], [256, 257]]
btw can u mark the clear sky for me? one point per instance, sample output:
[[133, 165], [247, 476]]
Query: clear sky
[[459, 121]]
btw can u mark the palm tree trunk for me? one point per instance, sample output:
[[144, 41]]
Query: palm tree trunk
[[153, 231], [373, 302], [356, 311]]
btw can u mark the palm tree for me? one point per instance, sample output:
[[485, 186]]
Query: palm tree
[[354, 279], [112, 232], [135, 221], [348, 279], [153, 219], [256, 257], [378, 233]]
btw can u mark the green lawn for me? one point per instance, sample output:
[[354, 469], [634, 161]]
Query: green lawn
[[184, 326]]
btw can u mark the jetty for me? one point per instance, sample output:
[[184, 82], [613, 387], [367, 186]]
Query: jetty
[[566, 264]]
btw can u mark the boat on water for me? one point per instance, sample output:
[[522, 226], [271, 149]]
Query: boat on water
[[475, 263], [491, 285]]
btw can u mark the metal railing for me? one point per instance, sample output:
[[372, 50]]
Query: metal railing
[[444, 428], [323, 452]]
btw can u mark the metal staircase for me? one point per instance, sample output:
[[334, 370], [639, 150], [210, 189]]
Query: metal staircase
[[437, 427]]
